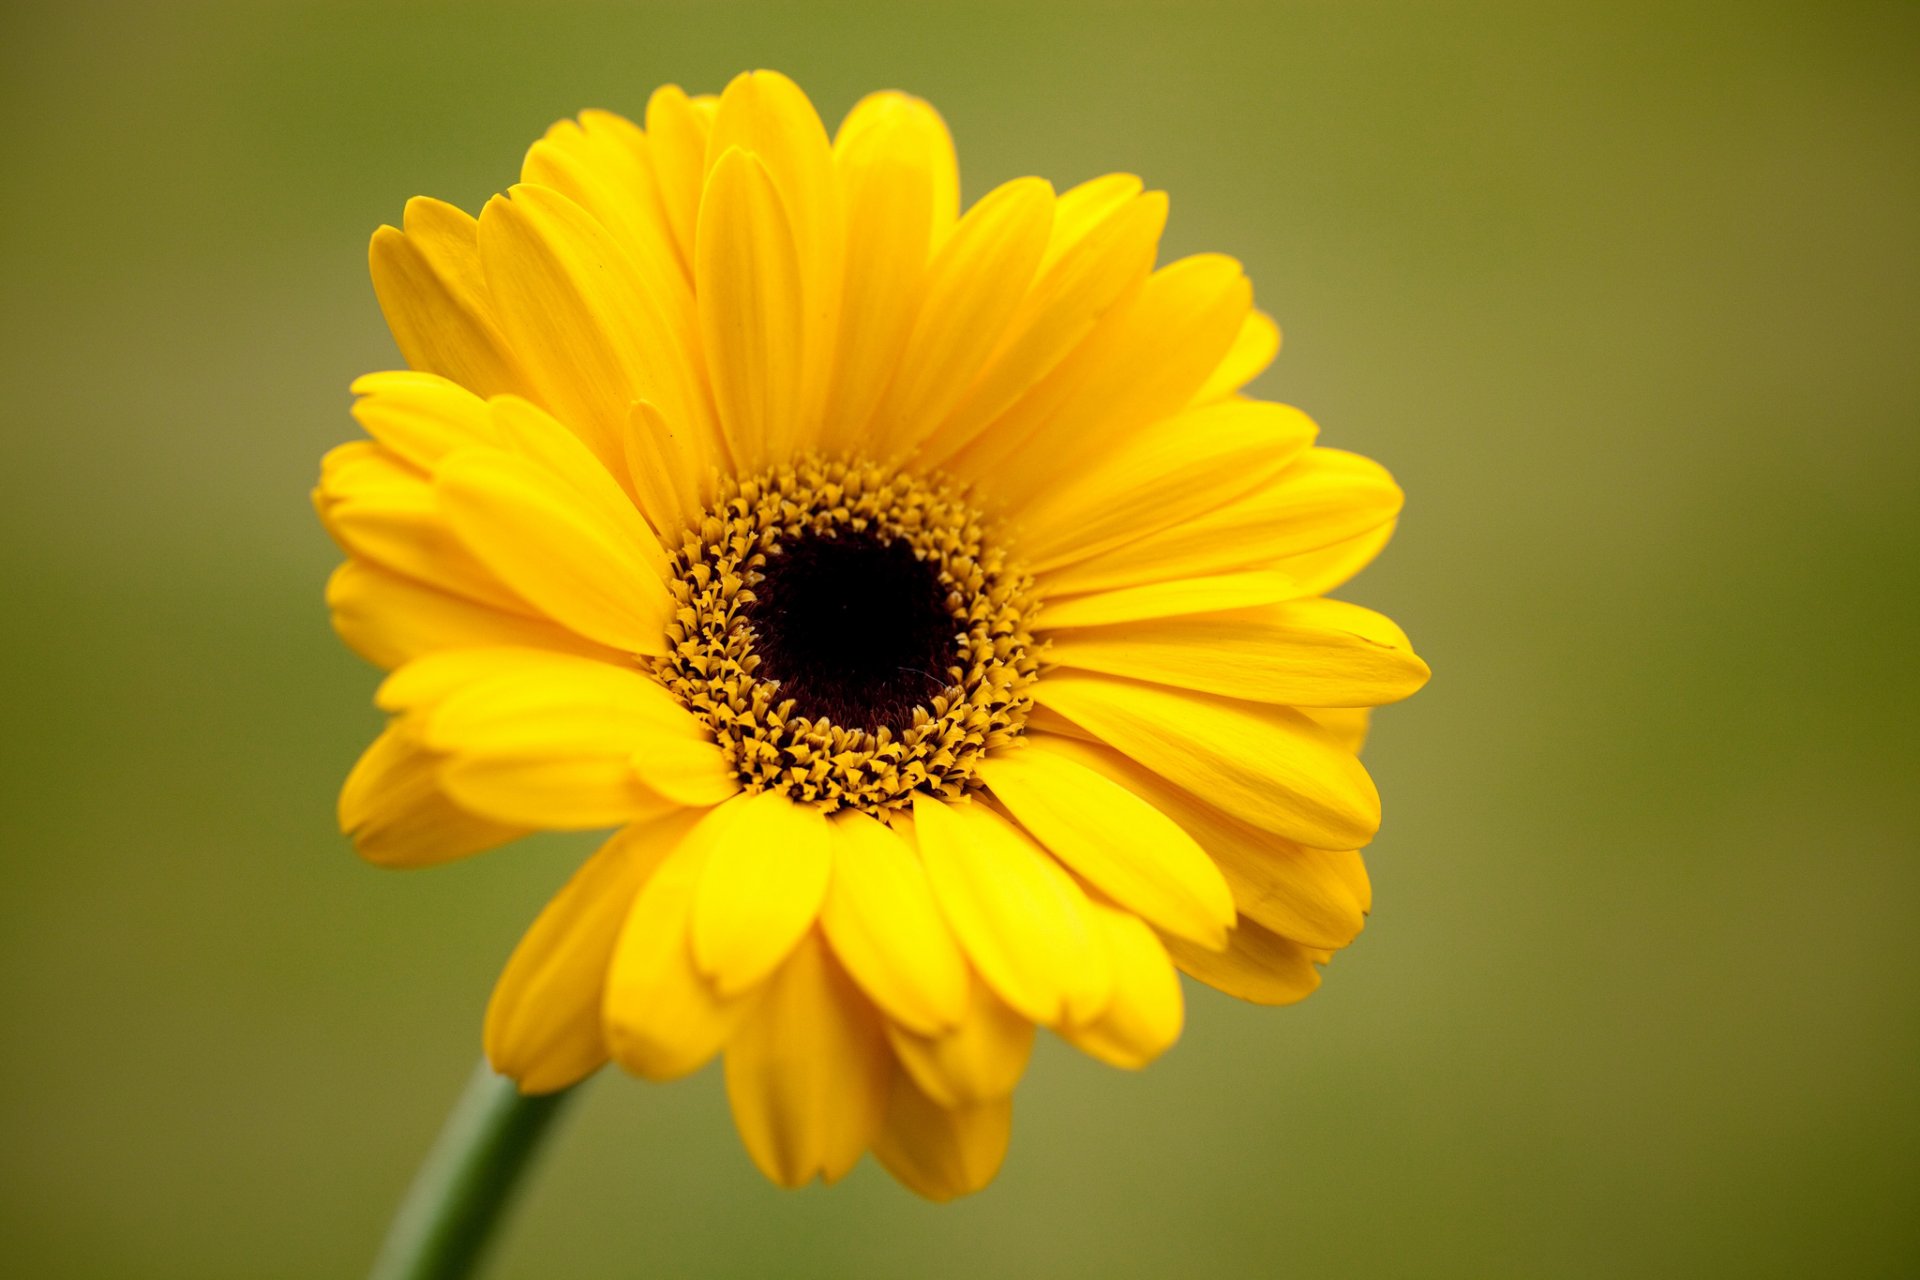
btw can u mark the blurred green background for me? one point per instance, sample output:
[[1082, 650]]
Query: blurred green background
[[1626, 294]]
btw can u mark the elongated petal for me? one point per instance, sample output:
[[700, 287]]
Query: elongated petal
[[397, 814], [601, 162], [672, 470], [663, 1019], [1258, 965], [1019, 917], [752, 309], [677, 144], [1165, 475], [1305, 653], [581, 569], [808, 1073], [1253, 349], [543, 1027], [435, 298], [422, 417], [973, 289], [1326, 497], [942, 1152], [980, 1060], [1314, 896], [1326, 568], [884, 925], [761, 890], [1169, 599], [1267, 765], [390, 620], [1147, 1011], [1117, 841]]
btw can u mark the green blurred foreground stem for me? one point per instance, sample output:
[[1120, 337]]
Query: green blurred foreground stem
[[464, 1187]]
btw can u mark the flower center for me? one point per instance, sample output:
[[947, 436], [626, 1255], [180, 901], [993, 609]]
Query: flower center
[[851, 634]]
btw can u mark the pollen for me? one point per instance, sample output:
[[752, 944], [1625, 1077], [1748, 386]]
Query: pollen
[[851, 634]]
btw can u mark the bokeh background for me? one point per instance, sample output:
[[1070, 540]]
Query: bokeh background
[[1625, 293]]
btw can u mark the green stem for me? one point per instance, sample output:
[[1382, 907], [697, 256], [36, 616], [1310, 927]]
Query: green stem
[[459, 1195]]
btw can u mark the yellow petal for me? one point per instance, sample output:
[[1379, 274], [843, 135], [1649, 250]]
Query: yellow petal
[[884, 925], [672, 471], [1169, 599], [973, 289], [1346, 726], [1099, 252], [1146, 1013], [663, 1020], [1258, 965], [896, 170], [942, 1152], [980, 1060], [1305, 653], [431, 289], [1315, 896], [597, 326], [543, 1026], [752, 309], [1116, 841], [422, 417], [393, 808], [808, 1073], [1020, 918], [1325, 497], [677, 144], [1327, 568], [761, 891], [1269, 766], [601, 163], [1257, 343], [390, 620], [1164, 475], [580, 568]]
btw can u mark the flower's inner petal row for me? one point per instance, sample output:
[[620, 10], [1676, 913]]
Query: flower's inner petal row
[[434, 295], [761, 891], [883, 923], [899, 187], [1269, 766], [543, 1026], [808, 1075], [1325, 498], [1304, 653], [938, 1151], [755, 673]]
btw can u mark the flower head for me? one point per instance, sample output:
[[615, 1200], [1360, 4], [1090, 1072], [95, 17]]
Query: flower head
[[942, 632]]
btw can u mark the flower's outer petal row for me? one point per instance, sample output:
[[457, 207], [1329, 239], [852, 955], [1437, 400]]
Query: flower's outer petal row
[[761, 890], [1146, 1013], [602, 163], [1113, 839], [572, 559], [543, 1025], [1258, 965], [1253, 349], [808, 1073], [766, 114], [1345, 726], [663, 1020], [397, 815], [673, 472], [1174, 599], [1304, 653], [1102, 244], [884, 925], [1325, 568], [1181, 467], [598, 324], [1143, 365], [434, 295], [677, 129], [1317, 897], [1325, 498], [422, 417], [1267, 765], [899, 187], [941, 1152], [974, 287], [1021, 919], [980, 1060], [382, 510], [753, 313], [390, 620]]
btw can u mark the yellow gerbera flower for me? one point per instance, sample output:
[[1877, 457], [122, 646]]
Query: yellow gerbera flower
[[915, 591]]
